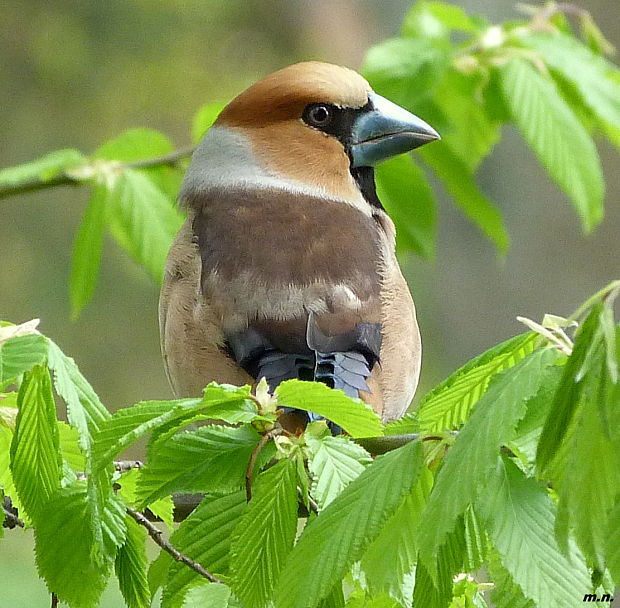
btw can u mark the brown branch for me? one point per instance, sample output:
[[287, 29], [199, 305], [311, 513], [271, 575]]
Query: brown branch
[[11, 518], [54, 600], [66, 179], [249, 474], [157, 537]]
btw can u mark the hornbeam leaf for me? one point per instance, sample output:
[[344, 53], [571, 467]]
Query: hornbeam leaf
[[265, 534], [87, 251], [45, 168], [20, 354], [474, 455], [205, 536], [596, 79], [560, 141], [353, 415], [460, 184], [520, 517], [80, 575], [338, 537], [211, 459], [130, 566], [333, 463], [405, 192], [35, 451], [449, 404]]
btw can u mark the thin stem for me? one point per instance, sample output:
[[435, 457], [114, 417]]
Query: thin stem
[[249, 474], [11, 519], [614, 286], [156, 535], [65, 179]]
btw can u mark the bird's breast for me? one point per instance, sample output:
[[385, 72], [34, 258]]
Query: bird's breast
[[276, 255]]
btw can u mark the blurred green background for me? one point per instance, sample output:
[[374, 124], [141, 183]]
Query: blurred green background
[[75, 74]]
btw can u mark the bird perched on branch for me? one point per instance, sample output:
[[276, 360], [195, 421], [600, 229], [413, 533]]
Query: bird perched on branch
[[285, 267]]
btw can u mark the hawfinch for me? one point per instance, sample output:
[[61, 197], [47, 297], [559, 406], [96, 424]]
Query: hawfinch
[[285, 267]]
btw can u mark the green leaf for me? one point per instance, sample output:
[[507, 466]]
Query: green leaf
[[449, 404], [520, 517], [338, 537], [353, 415], [210, 595], [473, 457], [389, 563], [561, 143], [506, 593], [265, 534], [437, 19], [333, 463], [70, 447], [459, 182], [87, 251], [79, 575], [612, 548], [143, 220], [205, 536], [204, 118], [405, 70], [130, 566], [21, 354], [407, 196], [35, 455], [84, 410], [45, 168], [133, 145], [210, 459], [595, 78]]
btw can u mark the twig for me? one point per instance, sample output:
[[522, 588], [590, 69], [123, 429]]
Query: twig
[[11, 519], [249, 474], [156, 535], [66, 179], [54, 600]]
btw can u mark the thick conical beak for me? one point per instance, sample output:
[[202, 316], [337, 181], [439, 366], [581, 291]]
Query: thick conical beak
[[387, 130]]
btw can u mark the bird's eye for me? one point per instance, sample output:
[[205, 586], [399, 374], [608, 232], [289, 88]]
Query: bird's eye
[[319, 115]]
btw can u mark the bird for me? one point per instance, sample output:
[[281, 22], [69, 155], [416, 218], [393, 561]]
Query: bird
[[285, 266]]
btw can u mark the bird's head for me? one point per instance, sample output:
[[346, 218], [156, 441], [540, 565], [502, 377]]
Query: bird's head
[[311, 127]]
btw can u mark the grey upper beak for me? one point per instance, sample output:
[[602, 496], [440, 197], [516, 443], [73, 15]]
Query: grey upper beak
[[385, 131]]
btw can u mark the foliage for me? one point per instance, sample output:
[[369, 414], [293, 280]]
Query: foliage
[[465, 76], [514, 467]]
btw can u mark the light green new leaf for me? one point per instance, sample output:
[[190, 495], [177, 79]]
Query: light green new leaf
[[520, 516], [333, 463], [473, 457], [204, 118], [84, 410], [143, 220], [79, 575], [129, 424], [130, 566], [223, 402], [353, 415], [210, 459], [338, 537], [265, 534], [438, 19], [210, 595], [596, 79], [70, 447], [20, 354], [459, 182], [205, 536], [45, 168], [6, 481], [87, 251], [407, 196], [35, 453], [560, 141], [405, 70], [449, 404], [613, 544], [506, 593], [389, 563]]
